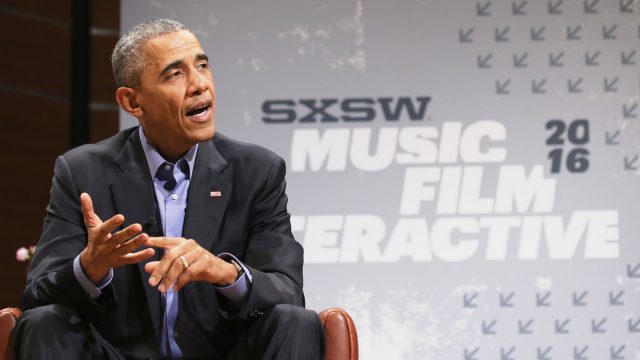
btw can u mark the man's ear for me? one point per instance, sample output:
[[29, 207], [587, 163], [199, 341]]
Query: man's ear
[[127, 98]]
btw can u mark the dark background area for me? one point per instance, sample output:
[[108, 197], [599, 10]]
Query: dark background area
[[56, 92]]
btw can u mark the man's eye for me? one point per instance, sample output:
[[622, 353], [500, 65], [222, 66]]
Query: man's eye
[[175, 73], [203, 66]]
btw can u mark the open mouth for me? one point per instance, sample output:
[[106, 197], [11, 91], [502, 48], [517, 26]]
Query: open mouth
[[199, 110]]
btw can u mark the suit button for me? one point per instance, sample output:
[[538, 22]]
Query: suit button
[[175, 334]]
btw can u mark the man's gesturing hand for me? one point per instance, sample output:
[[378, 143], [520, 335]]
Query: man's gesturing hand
[[105, 250], [185, 261]]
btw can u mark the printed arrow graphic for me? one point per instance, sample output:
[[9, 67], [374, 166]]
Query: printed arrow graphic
[[574, 86], [468, 300], [573, 33], [505, 301], [501, 34], [554, 7], [487, 329], [518, 8], [482, 9], [629, 111], [590, 59], [610, 84], [590, 6], [484, 61], [537, 34], [616, 300], [610, 138], [634, 325], [630, 164], [579, 300], [580, 354], [502, 88], [597, 327], [525, 328], [542, 355], [554, 59], [561, 328], [464, 36], [635, 271], [542, 300], [519, 60], [627, 58], [608, 32], [626, 6], [616, 354], [538, 87], [471, 355], [506, 355]]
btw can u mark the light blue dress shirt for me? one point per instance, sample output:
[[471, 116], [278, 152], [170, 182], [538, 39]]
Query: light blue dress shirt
[[171, 207]]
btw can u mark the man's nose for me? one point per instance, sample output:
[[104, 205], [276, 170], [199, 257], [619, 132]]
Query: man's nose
[[198, 83]]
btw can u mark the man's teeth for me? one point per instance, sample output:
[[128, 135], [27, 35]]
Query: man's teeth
[[197, 111]]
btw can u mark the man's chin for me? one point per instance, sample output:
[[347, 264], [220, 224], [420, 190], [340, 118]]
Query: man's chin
[[204, 134]]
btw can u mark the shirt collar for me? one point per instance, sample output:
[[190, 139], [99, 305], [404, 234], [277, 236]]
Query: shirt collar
[[154, 159]]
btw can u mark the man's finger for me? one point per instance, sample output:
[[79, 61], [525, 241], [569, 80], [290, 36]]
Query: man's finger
[[90, 218], [192, 273], [127, 234], [184, 278], [175, 248], [150, 266], [178, 267], [132, 244], [136, 257], [105, 229], [162, 268], [163, 242]]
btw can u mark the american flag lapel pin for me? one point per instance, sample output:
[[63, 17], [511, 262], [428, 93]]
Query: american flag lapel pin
[[215, 194]]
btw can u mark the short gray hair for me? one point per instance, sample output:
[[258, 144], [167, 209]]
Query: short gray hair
[[127, 59]]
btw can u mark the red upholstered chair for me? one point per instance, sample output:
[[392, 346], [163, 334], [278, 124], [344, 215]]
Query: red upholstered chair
[[8, 318], [341, 335], [342, 339]]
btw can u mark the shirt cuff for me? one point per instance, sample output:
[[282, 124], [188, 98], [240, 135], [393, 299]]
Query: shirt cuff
[[237, 291], [92, 289]]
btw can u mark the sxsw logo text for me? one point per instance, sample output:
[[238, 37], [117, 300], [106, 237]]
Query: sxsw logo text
[[356, 109]]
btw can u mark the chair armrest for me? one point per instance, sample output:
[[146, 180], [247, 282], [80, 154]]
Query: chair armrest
[[341, 335], [8, 319]]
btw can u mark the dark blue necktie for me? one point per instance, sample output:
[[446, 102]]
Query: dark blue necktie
[[165, 173]]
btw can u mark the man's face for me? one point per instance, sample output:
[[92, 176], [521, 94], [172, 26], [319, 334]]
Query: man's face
[[176, 94]]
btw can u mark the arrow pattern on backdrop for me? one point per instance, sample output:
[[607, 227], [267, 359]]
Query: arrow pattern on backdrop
[[585, 50], [610, 44], [501, 321]]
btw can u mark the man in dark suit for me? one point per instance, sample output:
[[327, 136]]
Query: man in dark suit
[[214, 273]]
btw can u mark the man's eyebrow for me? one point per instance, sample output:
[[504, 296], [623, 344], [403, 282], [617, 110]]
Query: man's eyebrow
[[172, 65], [178, 63], [202, 56]]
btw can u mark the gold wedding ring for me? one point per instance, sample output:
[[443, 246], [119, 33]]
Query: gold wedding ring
[[184, 262]]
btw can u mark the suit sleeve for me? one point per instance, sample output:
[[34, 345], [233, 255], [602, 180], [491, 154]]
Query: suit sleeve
[[273, 256], [51, 279]]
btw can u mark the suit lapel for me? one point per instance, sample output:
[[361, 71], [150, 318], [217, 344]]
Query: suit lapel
[[134, 198], [208, 196]]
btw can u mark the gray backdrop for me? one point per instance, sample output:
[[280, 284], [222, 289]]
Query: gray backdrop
[[467, 185]]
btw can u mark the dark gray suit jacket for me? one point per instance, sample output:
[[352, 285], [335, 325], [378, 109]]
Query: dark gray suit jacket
[[249, 220]]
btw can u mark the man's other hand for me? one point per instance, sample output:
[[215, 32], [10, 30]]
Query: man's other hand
[[185, 261], [105, 250]]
